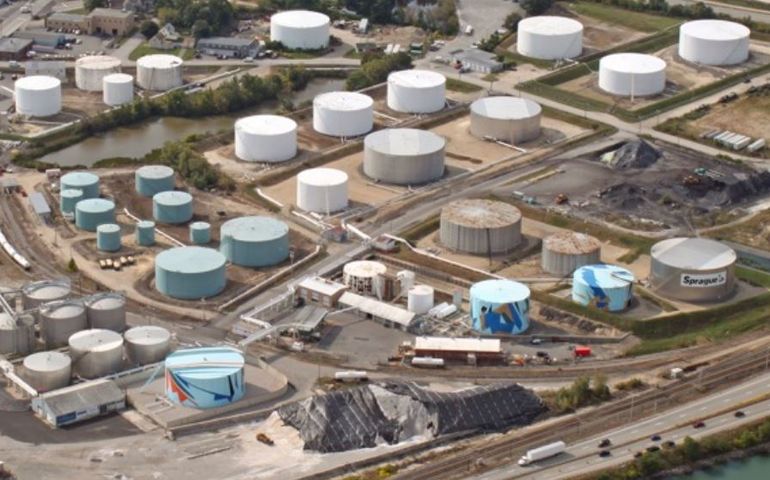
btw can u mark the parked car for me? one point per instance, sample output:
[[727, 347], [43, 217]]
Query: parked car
[[605, 453], [739, 414], [655, 438], [536, 341], [698, 425], [653, 448], [605, 443]]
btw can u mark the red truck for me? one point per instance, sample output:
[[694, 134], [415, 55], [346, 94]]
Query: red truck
[[582, 351]]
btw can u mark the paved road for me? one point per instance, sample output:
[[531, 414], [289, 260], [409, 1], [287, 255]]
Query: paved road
[[734, 11]]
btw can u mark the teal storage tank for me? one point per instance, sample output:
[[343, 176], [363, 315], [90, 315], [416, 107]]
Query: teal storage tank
[[92, 212], [108, 237], [152, 179], [87, 182], [145, 233], [205, 377], [68, 199], [606, 287], [254, 241], [200, 233], [499, 306], [172, 207], [190, 273]]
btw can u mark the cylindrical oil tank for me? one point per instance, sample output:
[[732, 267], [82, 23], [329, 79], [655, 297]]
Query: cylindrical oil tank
[[363, 276], [606, 287], [7, 334], [714, 42], [92, 212], [205, 377], [118, 89], [96, 353], [60, 320], [17, 336], [343, 114], [404, 156], [254, 241], [44, 291], [190, 273], [106, 311], [692, 269], [419, 299], [549, 37], [632, 74], [147, 344], [86, 182], [159, 72], [416, 91], [509, 119], [152, 179], [172, 207], [47, 371], [480, 227], [91, 70], [322, 190], [265, 138], [68, 199], [145, 233], [38, 95], [108, 237], [499, 306], [300, 29], [200, 233], [564, 252]]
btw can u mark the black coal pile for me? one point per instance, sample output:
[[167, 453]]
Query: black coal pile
[[633, 154]]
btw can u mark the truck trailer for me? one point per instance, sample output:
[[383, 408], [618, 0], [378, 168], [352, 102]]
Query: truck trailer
[[540, 453]]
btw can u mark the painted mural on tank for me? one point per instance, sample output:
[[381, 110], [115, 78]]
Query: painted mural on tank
[[606, 287], [204, 393], [504, 318]]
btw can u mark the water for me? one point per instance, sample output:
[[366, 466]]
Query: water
[[755, 468], [138, 140]]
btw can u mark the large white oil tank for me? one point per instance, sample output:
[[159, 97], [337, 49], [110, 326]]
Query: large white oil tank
[[632, 74], [106, 311], [300, 29], [60, 320], [509, 119], [91, 70], [118, 89], [343, 114], [363, 276], [549, 37], [159, 72], [38, 95], [96, 352], [147, 344], [420, 299], [416, 91], [46, 371], [714, 42], [404, 156], [265, 138], [322, 190]]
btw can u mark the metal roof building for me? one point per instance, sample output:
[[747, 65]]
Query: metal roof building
[[321, 291], [383, 312], [478, 61], [40, 205], [79, 402]]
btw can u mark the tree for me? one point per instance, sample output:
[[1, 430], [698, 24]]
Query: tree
[[72, 266], [201, 28], [512, 22], [148, 28], [91, 4], [535, 7]]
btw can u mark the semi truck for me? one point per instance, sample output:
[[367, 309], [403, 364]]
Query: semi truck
[[540, 453]]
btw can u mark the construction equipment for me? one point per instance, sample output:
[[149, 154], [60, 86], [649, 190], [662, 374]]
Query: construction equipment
[[261, 437], [561, 199]]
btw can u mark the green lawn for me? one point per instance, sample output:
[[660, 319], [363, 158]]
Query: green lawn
[[643, 22], [456, 85], [146, 49]]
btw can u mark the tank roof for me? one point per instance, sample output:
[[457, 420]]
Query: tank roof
[[550, 25], [98, 62], [417, 78], [200, 225], [322, 177], [71, 193], [7, 322], [300, 18], [47, 361], [693, 253], [206, 363], [46, 289], [345, 101], [63, 309], [190, 260], [106, 301], [266, 124], [95, 205], [254, 229], [172, 198], [603, 276], [108, 228], [118, 78], [715, 30], [159, 60], [96, 340], [155, 171], [506, 108], [145, 224], [421, 290], [365, 268], [75, 179], [637, 63], [571, 243], [37, 82], [481, 213], [147, 335], [499, 291], [404, 141]]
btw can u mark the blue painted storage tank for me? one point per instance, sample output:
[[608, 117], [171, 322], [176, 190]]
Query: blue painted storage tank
[[68, 199], [87, 182], [254, 241], [205, 377], [108, 237], [172, 207], [152, 179], [499, 306], [200, 233], [190, 273], [92, 212], [145, 233], [607, 287]]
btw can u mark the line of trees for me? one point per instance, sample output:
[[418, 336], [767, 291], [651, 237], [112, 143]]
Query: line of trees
[[375, 68], [583, 392], [203, 18]]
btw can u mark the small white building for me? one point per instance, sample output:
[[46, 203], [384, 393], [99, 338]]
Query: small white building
[[79, 402]]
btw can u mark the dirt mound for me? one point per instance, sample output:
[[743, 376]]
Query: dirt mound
[[633, 154]]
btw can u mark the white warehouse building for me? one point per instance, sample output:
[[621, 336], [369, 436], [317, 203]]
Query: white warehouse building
[[549, 37], [265, 138], [632, 74], [300, 29]]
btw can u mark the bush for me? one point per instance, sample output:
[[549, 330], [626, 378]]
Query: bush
[[375, 69], [535, 7], [148, 28]]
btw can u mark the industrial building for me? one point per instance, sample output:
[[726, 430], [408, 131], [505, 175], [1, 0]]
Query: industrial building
[[320, 291], [230, 47], [153, 179], [416, 91], [145, 233], [364, 277], [106, 311], [68, 199], [714, 42], [107, 21], [147, 344], [205, 377], [60, 320], [632, 74], [40, 206], [86, 182], [96, 353], [467, 350], [172, 207], [549, 37], [118, 89], [606, 287], [389, 315], [14, 48], [499, 306], [507, 119], [565, 252], [254, 241], [92, 212], [322, 190], [300, 29], [47, 371], [343, 114], [38, 96], [91, 70], [108, 237], [200, 233], [265, 138], [404, 156], [480, 227], [79, 402], [692, 269], [478, 61], [37, 293], [159, 72], [190, 273]]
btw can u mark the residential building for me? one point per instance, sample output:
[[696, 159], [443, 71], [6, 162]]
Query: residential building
[[166, 38]]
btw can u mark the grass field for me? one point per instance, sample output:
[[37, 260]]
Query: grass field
[[643, 22], [146, 49], [460, 86]]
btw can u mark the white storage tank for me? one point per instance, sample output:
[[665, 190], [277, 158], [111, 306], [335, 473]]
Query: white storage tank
[[38, 95], [300, 29], [404, 156], [549, 37], [420, 299], [343, 114], [322, 190], [159, 72], [714, 42], [265, 138], [416, 91], [147, 344], [106, 311], [118, 89], [60, 320], [363, 276], [509, 119], [91, 70], [96, 353], [46, 371], [632, 74]]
